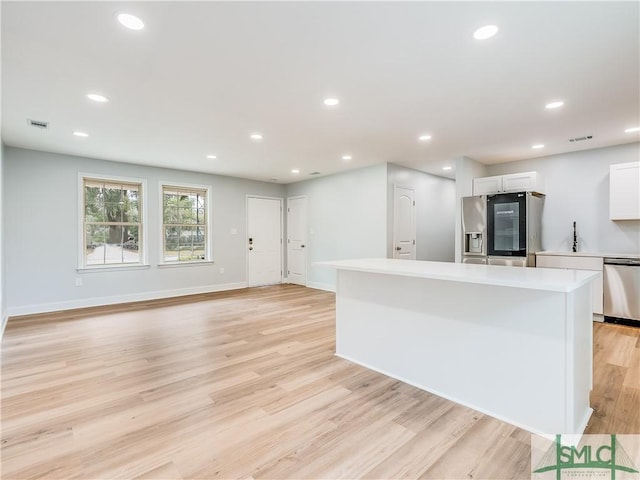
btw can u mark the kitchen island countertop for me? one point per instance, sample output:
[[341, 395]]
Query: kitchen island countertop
[[554, 280], [589, 254]]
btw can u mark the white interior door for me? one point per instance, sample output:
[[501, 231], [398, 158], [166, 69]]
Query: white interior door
[[297, 240], [264, 241], [404, 223]]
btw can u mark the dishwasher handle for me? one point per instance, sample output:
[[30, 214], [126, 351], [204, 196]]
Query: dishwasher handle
[[631, 262]]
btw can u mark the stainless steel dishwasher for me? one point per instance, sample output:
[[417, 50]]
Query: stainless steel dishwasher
[[622, 290]]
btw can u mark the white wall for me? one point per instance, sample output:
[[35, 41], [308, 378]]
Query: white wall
[[3, 304], [347, 218], [577, 189], [41, 234], [466, 170], [435, 212]]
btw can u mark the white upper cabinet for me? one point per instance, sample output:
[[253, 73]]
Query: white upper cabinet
[[513, 182], [485, 185], [523, 182], [624, 191]]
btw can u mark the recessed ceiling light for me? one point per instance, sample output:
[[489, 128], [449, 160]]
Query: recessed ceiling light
[[295, 171], [97, 97], [632, 130], [256, 136], [212, 157], [446, 168], [485, 32], [130, 21], [554, 105], [424, 138], [331, 102], [537, 145], [347, 157], [81, 134]]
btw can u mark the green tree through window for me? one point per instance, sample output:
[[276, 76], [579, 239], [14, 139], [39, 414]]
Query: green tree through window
[[112, 222], [185, 229]]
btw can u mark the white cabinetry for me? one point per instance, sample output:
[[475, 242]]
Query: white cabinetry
[[577, 262], [624, 191], [485, 185], [513, 182], [523, 182]]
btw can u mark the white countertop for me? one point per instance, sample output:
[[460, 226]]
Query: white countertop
[[590, 254], [555, 280]]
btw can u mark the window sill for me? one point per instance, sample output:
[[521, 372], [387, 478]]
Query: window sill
[[185, 264], [110, 268]]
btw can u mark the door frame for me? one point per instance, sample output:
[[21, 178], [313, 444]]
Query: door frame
[[306, 254], [246, 233], [393, 221]]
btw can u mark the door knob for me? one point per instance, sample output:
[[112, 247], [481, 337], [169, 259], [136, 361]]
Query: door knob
[[301, 246], [398, 248]]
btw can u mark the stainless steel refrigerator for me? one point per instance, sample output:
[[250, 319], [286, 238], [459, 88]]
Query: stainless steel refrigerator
[[502, 229], [474, 229]]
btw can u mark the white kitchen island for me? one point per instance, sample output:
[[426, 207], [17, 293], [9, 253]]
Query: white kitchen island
[[514, 343]]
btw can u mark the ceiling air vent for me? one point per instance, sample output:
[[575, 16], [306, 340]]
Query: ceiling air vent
[[37, 123], [314, 173], [579, 139]]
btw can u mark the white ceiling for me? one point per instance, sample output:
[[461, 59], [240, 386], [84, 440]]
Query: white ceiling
[[202, 76]]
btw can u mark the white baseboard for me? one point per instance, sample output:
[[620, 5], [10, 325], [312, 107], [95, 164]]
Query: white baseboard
[[322, 286], [134, 297]]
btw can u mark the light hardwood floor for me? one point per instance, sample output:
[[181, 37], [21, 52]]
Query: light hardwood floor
[[244, 384]]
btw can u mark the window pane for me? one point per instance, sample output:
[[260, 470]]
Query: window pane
[[201, 216], [95, 237], [114, 205], [94, 204], [192, 244], [131, 206], [131, 238], [111, 203], [170, 207], [111, 244], [183, 207], [171, 243], [184, 244], [184, 216]]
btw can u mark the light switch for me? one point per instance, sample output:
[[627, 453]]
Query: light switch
[[234, 231]]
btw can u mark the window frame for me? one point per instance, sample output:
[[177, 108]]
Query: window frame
[[208, 226], [143, 229]]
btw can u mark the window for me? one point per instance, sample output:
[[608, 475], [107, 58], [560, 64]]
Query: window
[[185, 224], [112, 228]]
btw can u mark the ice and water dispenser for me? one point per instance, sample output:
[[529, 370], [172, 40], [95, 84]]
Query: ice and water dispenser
[[473, 242]]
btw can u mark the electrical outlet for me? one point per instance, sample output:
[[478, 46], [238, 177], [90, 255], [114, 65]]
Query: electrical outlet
[[221, 269], [78, 281]]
